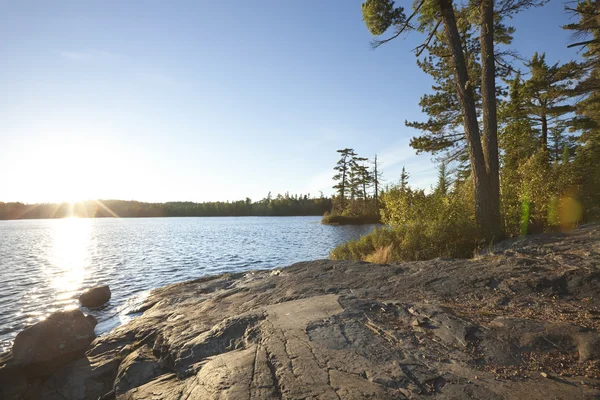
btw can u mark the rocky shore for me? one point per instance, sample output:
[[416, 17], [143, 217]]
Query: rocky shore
[[521, 321]]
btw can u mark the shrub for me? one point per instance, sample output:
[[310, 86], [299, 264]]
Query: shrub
[[419, 226], [383, 255]]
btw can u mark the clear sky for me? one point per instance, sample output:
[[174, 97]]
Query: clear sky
[[208, 100]]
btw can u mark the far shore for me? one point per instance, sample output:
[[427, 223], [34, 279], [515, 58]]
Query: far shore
[[280, 206]]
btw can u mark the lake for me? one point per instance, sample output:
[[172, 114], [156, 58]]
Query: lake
[[46, 264]]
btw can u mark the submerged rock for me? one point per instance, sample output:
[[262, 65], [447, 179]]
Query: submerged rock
[[95, 297], [443, 329]]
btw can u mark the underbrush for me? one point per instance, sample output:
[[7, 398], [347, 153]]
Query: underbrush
[[419, 226], [420, 240]]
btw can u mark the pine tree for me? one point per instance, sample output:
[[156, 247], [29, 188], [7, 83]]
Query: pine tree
[[357, 184], [404, 179], [518, 138], [376, 181], [519, 143], [379, 15], [548, 91], [587, 31], [443, 185], [343, 169]]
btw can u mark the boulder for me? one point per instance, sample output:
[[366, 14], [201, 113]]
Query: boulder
[[46, 346], [95, 297], [92, 320]]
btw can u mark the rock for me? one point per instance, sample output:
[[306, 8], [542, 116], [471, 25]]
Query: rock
[[49, 344], [92, 320], [353, 330], [136, 369], [95, 297], [86, 378], [588, 346]]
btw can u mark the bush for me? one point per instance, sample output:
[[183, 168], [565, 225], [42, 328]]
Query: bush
[[537, 195], [540, 196], [419, 226]]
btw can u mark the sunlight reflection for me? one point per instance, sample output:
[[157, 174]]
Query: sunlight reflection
[[71, 239]]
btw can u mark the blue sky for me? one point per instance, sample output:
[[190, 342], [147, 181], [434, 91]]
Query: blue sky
[[208, 100]]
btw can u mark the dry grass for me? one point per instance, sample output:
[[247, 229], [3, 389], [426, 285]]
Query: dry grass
[[383, 255]]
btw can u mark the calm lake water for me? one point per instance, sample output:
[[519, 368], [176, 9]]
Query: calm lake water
[[46, 264]]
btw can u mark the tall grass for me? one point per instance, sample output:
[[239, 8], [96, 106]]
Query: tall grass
[[420, 240]]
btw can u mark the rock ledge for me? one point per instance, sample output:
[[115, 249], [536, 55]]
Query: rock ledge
[[521, 322]]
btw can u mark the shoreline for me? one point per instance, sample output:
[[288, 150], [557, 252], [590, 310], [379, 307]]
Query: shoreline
[[339, 220], [164, 216], [339, 329]]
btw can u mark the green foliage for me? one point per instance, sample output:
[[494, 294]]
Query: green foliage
[[442, 134], [547, 96], [549, 133], [419, 226], [443, 184], [538, 177], [380, 15], [586, 168], [354, 182]]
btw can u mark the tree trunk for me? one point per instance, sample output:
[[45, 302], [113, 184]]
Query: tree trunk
[[544, 131], [482, 192], [490, 118], [376, 182], [343, 188]]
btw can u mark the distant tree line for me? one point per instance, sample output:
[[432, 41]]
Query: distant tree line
[[281, 205]]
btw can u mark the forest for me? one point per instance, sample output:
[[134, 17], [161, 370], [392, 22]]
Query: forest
[[280, 205], [517, 140]]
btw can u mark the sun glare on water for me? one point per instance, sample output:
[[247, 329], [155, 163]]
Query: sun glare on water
[[69, 255]]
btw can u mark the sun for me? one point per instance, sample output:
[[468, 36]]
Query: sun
[[63, 171], [71, 167]]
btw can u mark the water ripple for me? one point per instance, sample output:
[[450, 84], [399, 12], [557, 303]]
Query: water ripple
[[46, 264]]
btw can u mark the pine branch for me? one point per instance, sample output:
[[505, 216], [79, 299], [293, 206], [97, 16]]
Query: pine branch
[[406, 26], [420, 48], [584, 43]]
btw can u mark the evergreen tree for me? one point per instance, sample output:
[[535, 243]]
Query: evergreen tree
[[379, 15], [343, 169], [365, 179], [587, 29], [518, 138], [548, 91], [443, 185], [376, 181], [404, 179], [587, 168]]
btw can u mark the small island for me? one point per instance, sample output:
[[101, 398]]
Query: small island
[[358, 187]]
